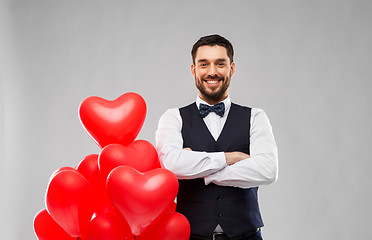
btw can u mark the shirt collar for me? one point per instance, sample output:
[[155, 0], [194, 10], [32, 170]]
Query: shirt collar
[[227, 102]]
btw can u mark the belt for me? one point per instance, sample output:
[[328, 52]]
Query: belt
[[223, 236]]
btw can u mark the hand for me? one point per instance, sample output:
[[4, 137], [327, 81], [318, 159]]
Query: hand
[[234, 157], [189, 149]]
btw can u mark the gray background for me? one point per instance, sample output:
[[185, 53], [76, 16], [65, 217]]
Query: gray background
[[307, 63]]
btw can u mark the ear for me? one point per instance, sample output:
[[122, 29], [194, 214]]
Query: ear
[[193, 70], [232, 69]]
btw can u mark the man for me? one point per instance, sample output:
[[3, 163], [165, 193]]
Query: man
[[220, 151]]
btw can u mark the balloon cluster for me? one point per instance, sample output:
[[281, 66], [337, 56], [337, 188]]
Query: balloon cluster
[[120, 193]]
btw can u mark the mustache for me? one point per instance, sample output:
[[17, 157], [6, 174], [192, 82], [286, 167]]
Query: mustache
[[214, 77]]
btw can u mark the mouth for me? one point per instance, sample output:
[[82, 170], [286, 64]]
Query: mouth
[[213, 82]]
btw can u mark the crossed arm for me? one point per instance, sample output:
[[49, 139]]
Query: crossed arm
[[222, 168], [231, 157]]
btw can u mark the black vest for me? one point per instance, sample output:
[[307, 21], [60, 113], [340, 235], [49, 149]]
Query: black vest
[[205, 206]]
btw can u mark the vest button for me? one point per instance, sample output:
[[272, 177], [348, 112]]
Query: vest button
[[218, 197], [219, 215]]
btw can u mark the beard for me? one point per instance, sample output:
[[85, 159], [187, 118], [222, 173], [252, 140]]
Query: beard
[[213, 95]]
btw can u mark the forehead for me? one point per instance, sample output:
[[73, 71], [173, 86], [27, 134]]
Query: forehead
[[211, 53]]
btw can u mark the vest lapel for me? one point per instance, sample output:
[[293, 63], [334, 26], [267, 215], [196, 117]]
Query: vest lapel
[[203, 127], [226, 126]]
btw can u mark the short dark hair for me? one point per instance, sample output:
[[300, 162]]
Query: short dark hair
[[212, 40]]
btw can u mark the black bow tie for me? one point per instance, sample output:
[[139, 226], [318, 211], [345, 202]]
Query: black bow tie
[[219, 109]]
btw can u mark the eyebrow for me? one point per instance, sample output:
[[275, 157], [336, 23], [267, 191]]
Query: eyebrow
[[202, 60], [221, 60], [217, 60]]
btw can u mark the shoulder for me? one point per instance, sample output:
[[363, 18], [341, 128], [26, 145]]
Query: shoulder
[[258, 111], [238, 106], [188, 111], [187, 107], [254, 111], [259, 116], [170, 117], [171, 113]]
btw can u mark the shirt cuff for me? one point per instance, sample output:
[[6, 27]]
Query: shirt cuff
[[214, 177], [219, 159]]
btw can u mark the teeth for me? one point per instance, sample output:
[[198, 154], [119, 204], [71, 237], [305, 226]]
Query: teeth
[[212, 82]]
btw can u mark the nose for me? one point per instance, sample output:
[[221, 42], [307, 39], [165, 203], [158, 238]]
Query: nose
[[212, 70]]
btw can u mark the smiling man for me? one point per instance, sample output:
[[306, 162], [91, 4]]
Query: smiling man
[[212, 70], [220, 151]]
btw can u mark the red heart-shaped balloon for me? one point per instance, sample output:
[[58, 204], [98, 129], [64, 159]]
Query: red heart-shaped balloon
[[140, 155], [118, 121], [172, 226], [70, 201], [46, 228], [141, 197], [108, 226], [59, 170], [88, 166]]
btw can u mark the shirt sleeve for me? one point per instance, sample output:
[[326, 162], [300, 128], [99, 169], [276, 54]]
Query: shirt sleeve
[[183, 163], [262, 166]]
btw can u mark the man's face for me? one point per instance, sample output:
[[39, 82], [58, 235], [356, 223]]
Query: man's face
[[212, 72]]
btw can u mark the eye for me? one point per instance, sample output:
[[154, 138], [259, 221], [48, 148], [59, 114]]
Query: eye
[[221, 64], [202, 65]]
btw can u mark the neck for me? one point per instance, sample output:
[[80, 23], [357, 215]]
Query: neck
[[212, 101]]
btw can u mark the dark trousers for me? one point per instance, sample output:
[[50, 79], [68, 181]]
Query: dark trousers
[[256, 236]]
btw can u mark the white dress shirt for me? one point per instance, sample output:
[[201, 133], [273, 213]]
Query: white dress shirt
[[259, 169]]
